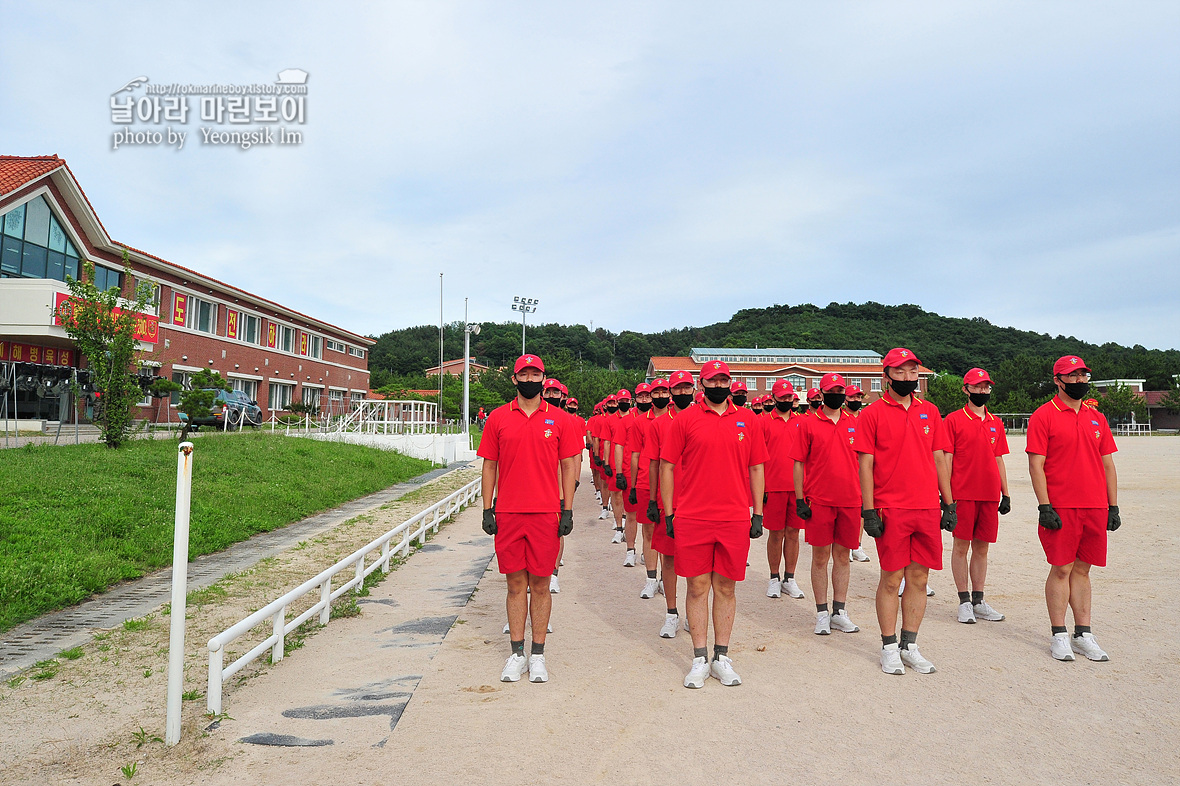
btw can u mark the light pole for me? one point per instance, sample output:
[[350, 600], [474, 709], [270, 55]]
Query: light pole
[[468, 330], [525, 305]]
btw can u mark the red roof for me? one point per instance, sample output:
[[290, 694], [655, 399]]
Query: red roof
[[687, 364], [15, 171], [1154, 397]]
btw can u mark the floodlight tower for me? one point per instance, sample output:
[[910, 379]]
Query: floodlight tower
[[525, 305]]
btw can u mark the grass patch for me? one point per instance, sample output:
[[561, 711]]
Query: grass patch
[[132, 625], [76, 519], [73, 653], [45, 670]]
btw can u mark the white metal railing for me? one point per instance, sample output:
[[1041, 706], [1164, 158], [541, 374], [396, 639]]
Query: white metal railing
[[412, 529], [391, 417], [1132, 429]]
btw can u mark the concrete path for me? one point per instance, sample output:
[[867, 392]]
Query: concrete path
[[51, 633]]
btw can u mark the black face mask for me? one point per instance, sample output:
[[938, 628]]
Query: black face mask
[[834, 400], [659, 402], [814, 403], [643, 406], [853, 406], [903, 388], [979, 399], [682, 400], [624, 406], [739, 399], [572, 410], [554, 401], [1076, 390], [717, 394], [611, 410], [529, 389], [784, 406]]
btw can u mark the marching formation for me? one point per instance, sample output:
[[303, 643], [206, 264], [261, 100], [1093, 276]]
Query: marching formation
[[694, 471]]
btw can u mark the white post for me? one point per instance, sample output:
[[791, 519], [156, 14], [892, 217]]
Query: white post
[[184, 483], [213, 698], [466, 369]]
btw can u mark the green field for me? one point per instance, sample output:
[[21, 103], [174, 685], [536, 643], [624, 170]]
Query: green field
[[76, 519]]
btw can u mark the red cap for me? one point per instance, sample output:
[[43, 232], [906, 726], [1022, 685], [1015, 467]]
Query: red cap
[[623, 394], [814, 393], [737, 385], [976, 376], [642, 387], [715, 368], [679, 378], [610, 398], [783, 388], [830, 381], [551, 383], [895, 357], [659, 384], [1069, 364], [571, 400], [852, 390], [528, 361], [699, 396], [564, 390]]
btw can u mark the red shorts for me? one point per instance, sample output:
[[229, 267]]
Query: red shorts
[[527, 541], [643, 495], [778, 512], [979, 520], [640, 500], [910, 536], [830, 525], [660, 540], [704, 547], [1082, 537]]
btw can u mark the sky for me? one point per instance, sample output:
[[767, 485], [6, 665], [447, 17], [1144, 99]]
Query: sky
[[641, 166]]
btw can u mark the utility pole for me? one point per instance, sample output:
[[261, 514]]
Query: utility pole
[[438, 415]]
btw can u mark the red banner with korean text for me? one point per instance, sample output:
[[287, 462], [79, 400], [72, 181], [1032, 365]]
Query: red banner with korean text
[[14, 352], [147, 327], [231, 323], [272, 335], [302, 343], [179, 308]]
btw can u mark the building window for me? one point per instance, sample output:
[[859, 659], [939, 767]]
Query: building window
[[876, 386], [185, 380], [315, 347], [287, 339], [250, 328], [200, 315], [105, 278], [280, 395], [797, 382], [752, 383], [336, 346], [34, 245], [356, 353], [247, 386], [311, 396]]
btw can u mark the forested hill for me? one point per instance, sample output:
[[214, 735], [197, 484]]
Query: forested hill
[[943, 343]]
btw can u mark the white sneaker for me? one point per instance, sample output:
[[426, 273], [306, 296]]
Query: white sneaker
[[598, 496], [649, 589], [537, 670], [505, 627], [912, 658], [549, 627], [775, 589], [686, 628], [792, 589], [929, 591], [554, 584], [985, 612], [858, 555], [722, 670], [517, 664], [618, 538], [1060, 647], [901, 587], [823, 623], [671, 623], [842, 623], [605, 514], [1087, 645], [629, 560], [697, 674], [660, 587], [642, 559], [966, 614], [891, 660]]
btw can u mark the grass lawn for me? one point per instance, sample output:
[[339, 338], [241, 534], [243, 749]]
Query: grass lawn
[[76, 519]]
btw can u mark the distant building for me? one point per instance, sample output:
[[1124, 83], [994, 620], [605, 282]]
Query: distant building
[[454, 368], [1157, 416], [761, 368]]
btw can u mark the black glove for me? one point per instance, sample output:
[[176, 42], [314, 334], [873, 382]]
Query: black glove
[[1047, 517], [489, 521], [802, 509], [589, 445], [621, 482], [597, 461], [1113, 521], [565, 525], [653, 512], [874, 527], [1005, 505], [606, 470], [668, 526], [576, 484], [765, 497], [632, 498], [950, 516], [756, 525]]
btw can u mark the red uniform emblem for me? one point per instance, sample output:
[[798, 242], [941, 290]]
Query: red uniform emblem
[[548, 433]]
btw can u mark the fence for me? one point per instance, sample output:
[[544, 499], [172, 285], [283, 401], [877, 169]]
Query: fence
[[412, 529]]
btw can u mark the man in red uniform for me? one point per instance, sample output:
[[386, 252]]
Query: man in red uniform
[[815, 398], [639, 484], [593, 424], [854, 400], [739, 394], [782, 521], [529, 453], [602, 447], [620, 424], [976, 448], [902, 447], [827, 491], [712, 465], [672, 402], [634, 420], [1071, 461]]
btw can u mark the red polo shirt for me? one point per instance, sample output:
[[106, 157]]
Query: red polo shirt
[[831, 473], [902, 443], [528, 449], [656, 436], [1073, 444], [781, 436], [975, 443], [637, 440], [713, 455], [579, 425]]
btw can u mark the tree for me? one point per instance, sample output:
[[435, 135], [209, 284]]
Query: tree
[[102, 326], [1171, 402], [162, 388], [945, 391], [1119, 403], [197, 402]]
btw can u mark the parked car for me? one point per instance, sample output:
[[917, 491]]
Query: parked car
[[234, 404]]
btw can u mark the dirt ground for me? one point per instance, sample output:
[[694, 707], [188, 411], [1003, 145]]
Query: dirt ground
[[999, 710]]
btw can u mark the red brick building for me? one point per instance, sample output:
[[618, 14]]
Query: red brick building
[[276, 355], [454, 368]]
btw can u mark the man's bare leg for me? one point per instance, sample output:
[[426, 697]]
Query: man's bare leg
[[724, 609], [540, 606], [697, 608], [887, 601], [518, 603], [820, 556]]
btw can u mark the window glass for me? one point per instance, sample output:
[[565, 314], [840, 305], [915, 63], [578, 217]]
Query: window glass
[[250, 328], [10, 256], [286, 338], [57, 237], [57, 266], [14, 222], [71, 267], [70, 250], [33, 264], [876, 386], [205, 313], [315, 346], [37, 222]]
